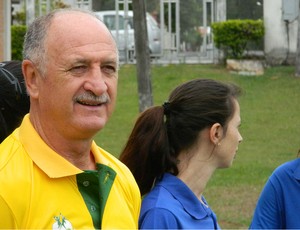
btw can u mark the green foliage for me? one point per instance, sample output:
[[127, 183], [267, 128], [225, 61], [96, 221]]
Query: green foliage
[[17, 39], [232, 36], [20, 17], [59, 4]]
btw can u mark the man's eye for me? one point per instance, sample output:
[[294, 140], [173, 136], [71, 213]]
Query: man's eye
[[108, 69], [78, 69]]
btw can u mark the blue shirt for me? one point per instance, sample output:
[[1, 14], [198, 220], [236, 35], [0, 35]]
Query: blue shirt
[[279, 204], [171, 204]]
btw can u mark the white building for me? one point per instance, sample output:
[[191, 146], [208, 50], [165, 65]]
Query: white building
[[281, 31], [280, 20]]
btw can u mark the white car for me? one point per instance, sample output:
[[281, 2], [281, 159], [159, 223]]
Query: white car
[[121, 27]]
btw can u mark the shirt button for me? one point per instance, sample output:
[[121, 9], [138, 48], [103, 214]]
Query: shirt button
[[93, 208], [86, 183]]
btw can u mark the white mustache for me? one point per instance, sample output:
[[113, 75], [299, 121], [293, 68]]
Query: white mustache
[[88, 98]]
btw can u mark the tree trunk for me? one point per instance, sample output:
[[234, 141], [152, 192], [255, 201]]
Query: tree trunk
[[143, 64]]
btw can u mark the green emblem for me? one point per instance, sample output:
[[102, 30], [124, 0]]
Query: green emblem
[[61, 223]]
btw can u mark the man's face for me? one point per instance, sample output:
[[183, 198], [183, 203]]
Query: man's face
[[78, 92]]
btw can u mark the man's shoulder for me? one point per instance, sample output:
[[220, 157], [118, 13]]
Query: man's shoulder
[[15, 167], [124, 179], [113, 162], [12, 152]]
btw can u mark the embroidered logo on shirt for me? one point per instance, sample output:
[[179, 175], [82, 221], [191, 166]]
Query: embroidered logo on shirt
[[61, 223]]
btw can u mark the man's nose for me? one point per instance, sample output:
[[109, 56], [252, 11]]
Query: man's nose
[[95, 82]]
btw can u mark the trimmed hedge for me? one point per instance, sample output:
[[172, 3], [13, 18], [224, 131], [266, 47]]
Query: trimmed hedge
[[17, 39], [232, 36]]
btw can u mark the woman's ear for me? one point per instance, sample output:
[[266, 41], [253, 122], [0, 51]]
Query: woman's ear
[[216, 133], [30, 74]]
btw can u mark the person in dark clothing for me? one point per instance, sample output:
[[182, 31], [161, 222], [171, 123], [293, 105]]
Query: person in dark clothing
[[14, 100]]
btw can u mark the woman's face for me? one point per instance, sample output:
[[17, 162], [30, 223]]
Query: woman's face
[[226, 149], [215, 147]]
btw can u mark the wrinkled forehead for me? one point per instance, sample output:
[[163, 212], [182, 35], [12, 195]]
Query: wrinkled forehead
[[77, 29], [74, 25]]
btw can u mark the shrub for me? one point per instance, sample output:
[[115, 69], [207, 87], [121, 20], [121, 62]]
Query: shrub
[[17, 39], [232, 36]]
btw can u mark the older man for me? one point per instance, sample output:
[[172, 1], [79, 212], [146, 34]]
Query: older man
[[52, 173]]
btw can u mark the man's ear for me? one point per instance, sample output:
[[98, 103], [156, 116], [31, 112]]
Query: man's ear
[[216, 133], [30, 74]]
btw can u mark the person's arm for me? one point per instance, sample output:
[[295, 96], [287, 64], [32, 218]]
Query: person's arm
[[267, 211], [158, 218], [6, 216]]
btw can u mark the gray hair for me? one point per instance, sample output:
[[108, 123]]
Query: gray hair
[[34, 42]]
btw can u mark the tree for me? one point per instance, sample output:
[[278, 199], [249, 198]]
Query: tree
[[142, 55]]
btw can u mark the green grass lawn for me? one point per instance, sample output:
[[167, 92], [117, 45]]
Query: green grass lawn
[[270, 107]]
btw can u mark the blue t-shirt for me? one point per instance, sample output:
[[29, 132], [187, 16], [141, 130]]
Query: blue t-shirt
[[279, 204], [172, 205]]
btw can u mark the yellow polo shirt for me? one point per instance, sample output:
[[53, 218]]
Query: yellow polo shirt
[[39, 189]]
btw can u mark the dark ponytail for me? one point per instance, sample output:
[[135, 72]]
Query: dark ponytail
[[147, 151]]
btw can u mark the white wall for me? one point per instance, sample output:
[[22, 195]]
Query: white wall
[[280, 38]]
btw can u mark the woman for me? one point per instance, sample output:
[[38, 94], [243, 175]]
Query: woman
[[174, 150]]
